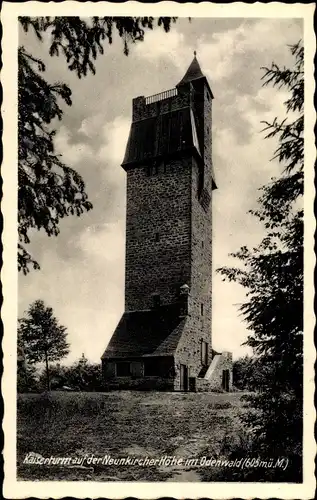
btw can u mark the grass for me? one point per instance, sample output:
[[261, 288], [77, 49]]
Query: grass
[[135, 424]]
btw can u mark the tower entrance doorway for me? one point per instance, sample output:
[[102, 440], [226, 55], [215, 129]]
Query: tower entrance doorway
[[225, 380], [184, 378]]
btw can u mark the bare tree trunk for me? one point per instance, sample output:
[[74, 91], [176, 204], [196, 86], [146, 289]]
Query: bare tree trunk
[[48, 385]]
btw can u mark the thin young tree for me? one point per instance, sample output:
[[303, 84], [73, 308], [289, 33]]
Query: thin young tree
[[48, 188], [44, 339], [272, 274]]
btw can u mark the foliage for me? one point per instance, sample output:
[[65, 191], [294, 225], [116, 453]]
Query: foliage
[[85, 376], [58, 377], [272, 273], [26, 378], [49, 190], [80, 376], [26, 373], [251, 373], [43, 338]]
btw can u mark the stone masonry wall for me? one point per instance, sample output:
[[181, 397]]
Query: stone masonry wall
[[215, 383], [208, 139], [164, 380], [158, 227], [198, 326], [140, 384]]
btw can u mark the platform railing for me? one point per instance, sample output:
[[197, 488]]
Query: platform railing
[[161, 96]]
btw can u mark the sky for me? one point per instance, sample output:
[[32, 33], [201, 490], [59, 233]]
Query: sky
[[82, 270]]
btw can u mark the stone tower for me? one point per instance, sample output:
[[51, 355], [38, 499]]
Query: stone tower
[[163, 340]]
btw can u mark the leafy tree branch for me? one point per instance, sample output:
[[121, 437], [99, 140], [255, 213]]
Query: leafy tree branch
[[49, 190], [272, 274]]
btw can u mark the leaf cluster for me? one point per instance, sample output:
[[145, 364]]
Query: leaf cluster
[[41, 335], [81, 40], [272, 274], [49, 190]]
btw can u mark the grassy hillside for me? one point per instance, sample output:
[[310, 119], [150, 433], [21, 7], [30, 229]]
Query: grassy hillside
[[128, 424]]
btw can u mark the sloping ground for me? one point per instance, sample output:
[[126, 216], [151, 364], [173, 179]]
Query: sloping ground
[[126, 424]]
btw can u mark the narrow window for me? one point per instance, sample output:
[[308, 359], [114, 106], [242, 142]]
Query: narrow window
[[201, 309], [204, 353], [225, 380], [157, 237], [156, 301], [202, 244]]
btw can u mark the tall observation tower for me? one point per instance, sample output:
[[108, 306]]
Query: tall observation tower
[[163, 340]]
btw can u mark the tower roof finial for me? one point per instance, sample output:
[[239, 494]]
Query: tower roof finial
[[194, 71]]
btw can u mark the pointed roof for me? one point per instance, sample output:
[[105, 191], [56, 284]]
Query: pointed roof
[[194, 72], [147, 333]]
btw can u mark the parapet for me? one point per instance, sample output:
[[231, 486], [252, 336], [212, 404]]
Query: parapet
[[169, 100]]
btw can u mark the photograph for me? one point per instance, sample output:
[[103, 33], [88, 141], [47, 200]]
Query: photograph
[[162, 202]]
